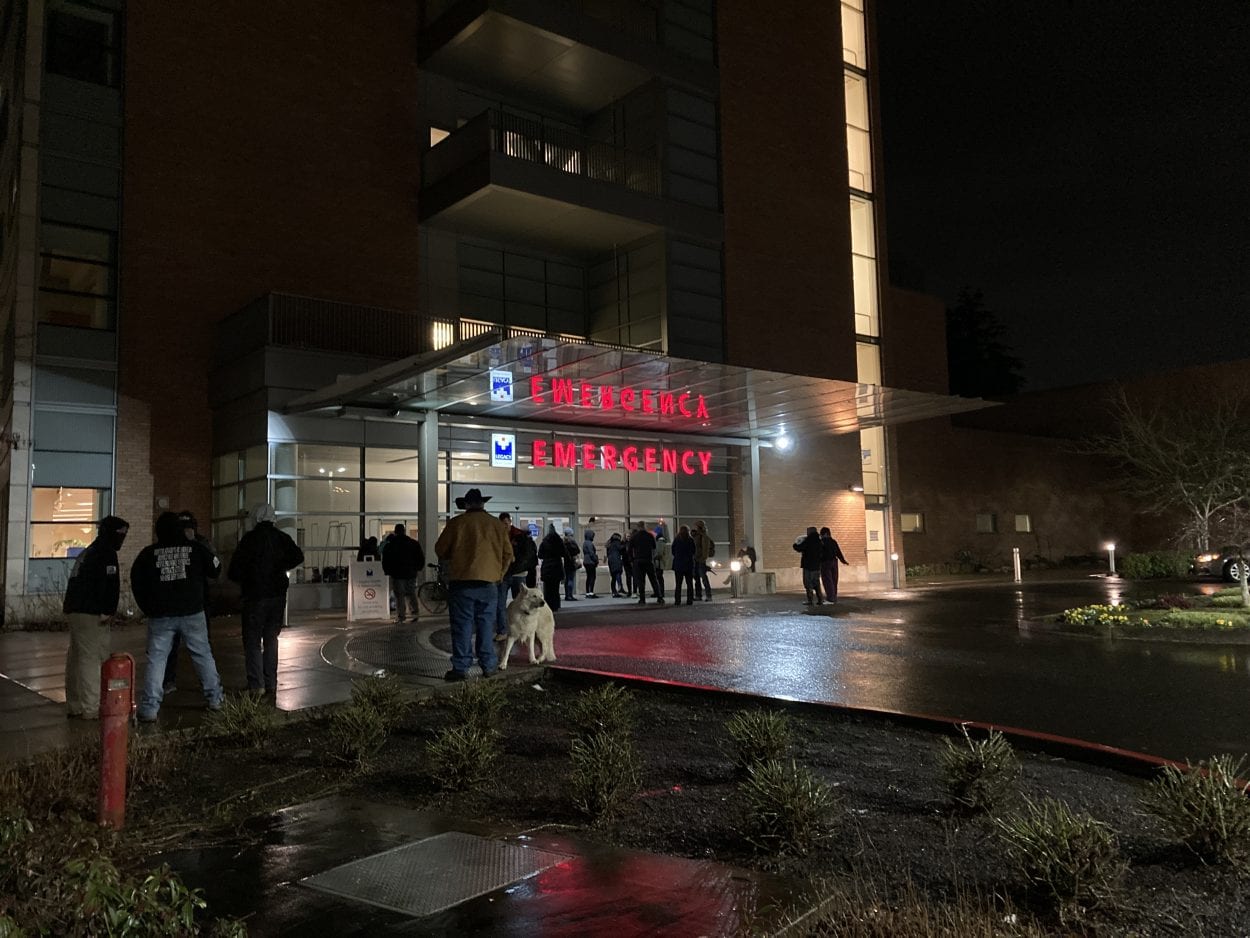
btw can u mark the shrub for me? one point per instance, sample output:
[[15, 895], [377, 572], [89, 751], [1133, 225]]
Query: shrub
[[386, 694], [789, 810], [479, 704], [66, 777], [606, 774], [1072, 857], [1172, 601], [247, 718], [1154, 565], [759, 736], [356, 733], [608, 708], [1097, 616], [463, 756], [979, 774], [1206, 808]]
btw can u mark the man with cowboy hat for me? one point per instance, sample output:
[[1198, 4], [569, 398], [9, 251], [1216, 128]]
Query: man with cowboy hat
[[477, 551]]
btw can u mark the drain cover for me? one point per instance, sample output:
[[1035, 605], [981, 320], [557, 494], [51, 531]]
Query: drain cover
[[396, 650], [430, 875]]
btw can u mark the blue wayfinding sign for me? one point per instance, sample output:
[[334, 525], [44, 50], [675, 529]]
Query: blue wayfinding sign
[[503, 450], [501, 387]]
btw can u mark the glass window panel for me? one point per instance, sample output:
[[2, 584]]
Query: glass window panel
[[856, 87], [226, 502], [864, 276], [987, 522], [872, 446], [226, 469], [912, 522], [74, 276], [476, 470], [60, 540], [315, 495], [397, 497], [592, 501], [386, 463], [442, 467], [256, 462], [80, 43], [225, 535], [1024, 524], [854, 45], [651, 480], [68, 309], [256, 493], [528, 474], [650, 506], [617, 478], [310, 459], [381, 525], [65, 504], [868, 362], [858, 159], [863, 237], [83, 243]]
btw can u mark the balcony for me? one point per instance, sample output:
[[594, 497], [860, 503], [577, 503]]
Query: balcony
[[514, 179], [569, 55]]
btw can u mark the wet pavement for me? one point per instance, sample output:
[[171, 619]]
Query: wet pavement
[[286, 875], [969, 650]]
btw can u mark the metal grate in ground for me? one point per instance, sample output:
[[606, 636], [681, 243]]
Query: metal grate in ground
[[434, 874], [397, 650]]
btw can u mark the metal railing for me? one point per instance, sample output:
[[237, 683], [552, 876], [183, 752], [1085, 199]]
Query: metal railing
[[536, 141]]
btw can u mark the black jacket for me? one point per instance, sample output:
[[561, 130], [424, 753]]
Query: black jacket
[[261, 561], [830, 551], [809, 546], [642, 547], [403, 558], [553, 556], [524, 553], [94, 583], [168, 577], [615, 550]]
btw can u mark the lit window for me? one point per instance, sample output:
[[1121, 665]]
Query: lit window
[[63, 520], [854, 45], [987, 522], [1024, 524], [858, 144], [912, 522], [437, 136]]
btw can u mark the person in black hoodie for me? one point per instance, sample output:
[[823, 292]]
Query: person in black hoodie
[[168, 582], [810, 551], [402, 561], [191, 529], [90, 601], [552, 557], [642, 547], [259, 565]]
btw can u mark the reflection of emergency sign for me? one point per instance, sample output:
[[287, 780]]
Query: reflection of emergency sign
[[367, 597]]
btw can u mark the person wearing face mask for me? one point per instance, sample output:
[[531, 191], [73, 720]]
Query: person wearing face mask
[[90, 602]]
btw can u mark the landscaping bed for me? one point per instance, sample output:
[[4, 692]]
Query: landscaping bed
[[1218, 618], [897, 857]]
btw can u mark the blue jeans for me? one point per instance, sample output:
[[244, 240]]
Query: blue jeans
[[194, 632], [471, 608]]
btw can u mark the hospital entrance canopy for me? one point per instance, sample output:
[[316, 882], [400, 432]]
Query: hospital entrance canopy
[[495, 377]]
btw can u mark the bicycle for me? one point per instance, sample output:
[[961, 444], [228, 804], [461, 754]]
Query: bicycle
[[432, 594]]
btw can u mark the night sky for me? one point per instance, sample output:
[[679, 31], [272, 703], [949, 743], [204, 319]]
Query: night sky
[[1084, 163]]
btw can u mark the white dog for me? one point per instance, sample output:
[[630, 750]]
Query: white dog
[[530, 617]]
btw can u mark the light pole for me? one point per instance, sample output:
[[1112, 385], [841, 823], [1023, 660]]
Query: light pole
[[1110, 558], [894, 570]]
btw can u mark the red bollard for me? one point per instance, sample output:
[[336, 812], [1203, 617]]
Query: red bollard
[[117, 683]]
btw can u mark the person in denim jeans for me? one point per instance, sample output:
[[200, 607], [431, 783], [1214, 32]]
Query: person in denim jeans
[[477, 551], [168, 581]]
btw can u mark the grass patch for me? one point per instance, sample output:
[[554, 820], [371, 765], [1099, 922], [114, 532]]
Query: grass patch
[[247, 718], [386, 694], [608, 708], [789, 811], [355, 734], [479, 704], [1071, 858], [462, 757], [605, 776], [759, 736], [1199, 619], [979, 774], [1206, 808]]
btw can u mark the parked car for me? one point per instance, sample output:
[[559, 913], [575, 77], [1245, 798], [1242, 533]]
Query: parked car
[[1224, 563]]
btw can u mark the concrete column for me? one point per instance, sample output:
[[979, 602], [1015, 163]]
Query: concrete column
[[427, 482], [752, 516]]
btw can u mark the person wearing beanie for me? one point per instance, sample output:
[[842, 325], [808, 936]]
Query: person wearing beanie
[[259, 565], [168, 581], [90, 602]]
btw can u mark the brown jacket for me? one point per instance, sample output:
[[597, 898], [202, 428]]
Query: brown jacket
[[475, 546]]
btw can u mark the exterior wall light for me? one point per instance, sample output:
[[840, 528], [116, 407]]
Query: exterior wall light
[[735, 566], [855, 487], [783, 442]]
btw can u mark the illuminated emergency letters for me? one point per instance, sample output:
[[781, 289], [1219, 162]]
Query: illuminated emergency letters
[[561, 454]]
